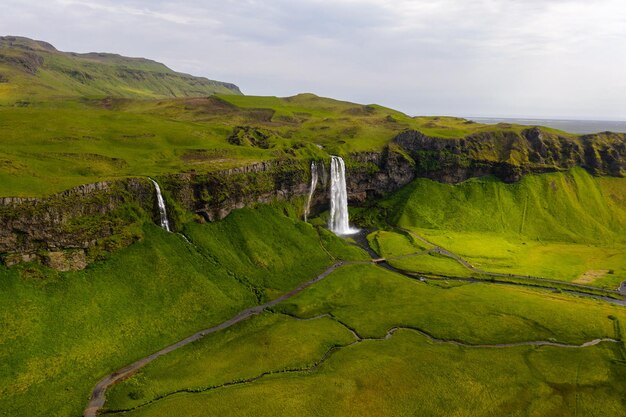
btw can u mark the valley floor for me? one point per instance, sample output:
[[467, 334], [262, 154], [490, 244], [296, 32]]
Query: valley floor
[[508, 349], [367, 341]]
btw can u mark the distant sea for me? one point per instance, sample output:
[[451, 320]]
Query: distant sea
[[572, 126]]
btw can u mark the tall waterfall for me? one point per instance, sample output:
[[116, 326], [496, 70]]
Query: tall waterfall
[[162, 209], [339, 222], [312, 190]]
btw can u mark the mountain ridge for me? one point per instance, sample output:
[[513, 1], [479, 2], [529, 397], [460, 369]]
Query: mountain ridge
[[33, 70]]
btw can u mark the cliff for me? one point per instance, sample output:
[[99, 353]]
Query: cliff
[[213, 196], [509, 155], [70, 229]]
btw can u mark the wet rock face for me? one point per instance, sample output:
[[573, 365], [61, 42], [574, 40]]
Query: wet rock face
[[377, 173], [213, 196]]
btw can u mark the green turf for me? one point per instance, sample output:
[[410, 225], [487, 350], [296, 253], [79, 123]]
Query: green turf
[[268, 343], [391, 244], [552, 260], [62, 332], [372, 300], [406, 374]]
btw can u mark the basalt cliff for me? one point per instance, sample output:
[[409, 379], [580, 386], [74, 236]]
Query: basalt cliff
[[68, 230]]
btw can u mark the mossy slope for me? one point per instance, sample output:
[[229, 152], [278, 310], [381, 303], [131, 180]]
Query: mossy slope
[[61, 332], [567, 207]]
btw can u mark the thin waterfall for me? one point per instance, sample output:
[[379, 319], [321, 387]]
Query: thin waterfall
[[162, 209], [312, 190], [339, 221]]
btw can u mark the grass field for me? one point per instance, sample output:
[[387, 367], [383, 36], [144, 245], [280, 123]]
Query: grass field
[[405, 374], [372, 300], [553, 260], [61, 332], [50, 145], [563, 226], [266, 343]]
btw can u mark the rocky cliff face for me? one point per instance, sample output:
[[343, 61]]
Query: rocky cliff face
[[509, 155], [213, 196], [68, 230]]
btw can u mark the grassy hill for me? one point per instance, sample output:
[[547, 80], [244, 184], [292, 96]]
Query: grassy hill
[[567, 226], [570, 207], [61, 332], [68, 119], [34, 70], [55, 144]]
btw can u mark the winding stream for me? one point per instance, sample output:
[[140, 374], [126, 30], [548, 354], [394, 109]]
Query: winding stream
[[359, 339], [98, 396]]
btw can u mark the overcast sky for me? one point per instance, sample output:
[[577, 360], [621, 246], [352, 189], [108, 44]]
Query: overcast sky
[[539, 58]]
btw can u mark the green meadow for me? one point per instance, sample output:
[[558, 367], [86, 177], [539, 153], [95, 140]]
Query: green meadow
[[566, 226], [406, 373], [51, 145], [62, 332]]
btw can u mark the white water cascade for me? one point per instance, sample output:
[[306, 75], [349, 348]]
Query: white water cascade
[[339, 222], [307, 209], [162, 209]]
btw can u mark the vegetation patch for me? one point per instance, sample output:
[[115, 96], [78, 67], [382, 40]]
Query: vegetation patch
[[368, 301]]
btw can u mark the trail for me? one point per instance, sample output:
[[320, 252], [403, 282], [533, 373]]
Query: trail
[[442, 251], [98, 395], [359, 339]]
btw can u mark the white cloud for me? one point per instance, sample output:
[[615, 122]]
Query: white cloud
[[507, 57]]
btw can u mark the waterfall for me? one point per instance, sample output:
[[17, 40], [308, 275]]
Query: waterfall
[[339, 223], [162, 209], [312, 190]]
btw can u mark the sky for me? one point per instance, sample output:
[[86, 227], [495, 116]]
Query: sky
[[502, 58]]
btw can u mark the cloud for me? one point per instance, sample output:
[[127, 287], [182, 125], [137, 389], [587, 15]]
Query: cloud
[[141, 12], [486, 57]]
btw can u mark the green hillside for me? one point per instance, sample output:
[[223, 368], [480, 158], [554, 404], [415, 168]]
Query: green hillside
[[62, 332], [50, 146], [567, 226], [34, 70], [569, 207]]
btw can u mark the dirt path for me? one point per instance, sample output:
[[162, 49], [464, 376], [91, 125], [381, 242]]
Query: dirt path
[[359, 339], [441, 250], [98, 395]]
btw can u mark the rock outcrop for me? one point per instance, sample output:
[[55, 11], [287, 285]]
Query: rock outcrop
[[213, 196], [509, 155], [67, 230]]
